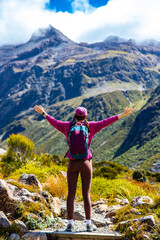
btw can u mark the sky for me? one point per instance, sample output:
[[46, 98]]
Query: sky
[[80, 20]]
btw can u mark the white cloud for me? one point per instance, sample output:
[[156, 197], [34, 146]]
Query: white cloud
[[82, 5], [138, 19]]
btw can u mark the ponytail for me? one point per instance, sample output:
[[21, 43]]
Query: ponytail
[[87, 124]]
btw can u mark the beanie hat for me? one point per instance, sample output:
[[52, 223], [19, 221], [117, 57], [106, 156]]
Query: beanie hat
[[81, 111]]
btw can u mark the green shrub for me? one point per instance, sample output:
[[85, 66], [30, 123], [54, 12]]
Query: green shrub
[[106, 172], [10, 162], [108, 169], [19, 150], [46, 159], [21, 144], [33, 222], [139, 175], [157, 175]]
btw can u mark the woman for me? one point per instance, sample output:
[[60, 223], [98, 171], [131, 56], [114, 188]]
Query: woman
[[82, 166]]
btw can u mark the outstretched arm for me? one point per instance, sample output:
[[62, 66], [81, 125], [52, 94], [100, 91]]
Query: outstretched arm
[[40, 110], [126, 112], [63, 127]]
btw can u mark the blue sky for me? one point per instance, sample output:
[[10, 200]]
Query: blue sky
[[80, 20], [64, 5]]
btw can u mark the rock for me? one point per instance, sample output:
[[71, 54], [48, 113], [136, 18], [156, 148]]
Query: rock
[[78, 211], [145, 236], [7, 199], [30, 179], [111, 211], [142, 201], [155, 167], [63, 212], [54, 202], [125, 224], [148, 219], [4, 222], [2, 151], [63, 174], [23, 195], [10, 195], [122, 201], [14, 236], [34, 236], [78, 215], [101, 208], [101, 222], [135, 211], [20, 227], [55, 205], [101, 201]]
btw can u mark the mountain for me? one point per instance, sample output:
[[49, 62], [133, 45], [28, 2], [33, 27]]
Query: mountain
[[59, 74], [146, 125]]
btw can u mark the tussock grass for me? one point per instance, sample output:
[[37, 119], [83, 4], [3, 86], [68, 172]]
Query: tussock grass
[[56, 186], [121, 188], [30, 188]]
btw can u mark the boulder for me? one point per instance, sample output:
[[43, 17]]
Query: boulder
[[10, 195], [142, 201], [135, 211], [30, 179], [4, 222], [99, 221], [34, 236], [2, 151], [78, 211], [55, 205], [20, 227], [147, 219], [101, 201], [122, 201], [7, 199], [54, 202], [23, 195], [111, 211], [78, 215], [14, 236], [101, 208]]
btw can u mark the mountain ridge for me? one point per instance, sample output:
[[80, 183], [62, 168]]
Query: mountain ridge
[[51, 70]]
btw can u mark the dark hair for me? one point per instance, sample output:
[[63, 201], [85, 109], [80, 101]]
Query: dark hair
[[80, 118]]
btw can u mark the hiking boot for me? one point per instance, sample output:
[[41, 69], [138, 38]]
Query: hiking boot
[[89, 228], [69, 228]]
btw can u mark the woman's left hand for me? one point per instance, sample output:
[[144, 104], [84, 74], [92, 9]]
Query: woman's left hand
[[126, 112]]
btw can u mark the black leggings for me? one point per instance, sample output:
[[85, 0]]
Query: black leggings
[[85, 168]]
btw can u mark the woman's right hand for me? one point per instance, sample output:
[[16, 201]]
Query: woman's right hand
[[39, 109]]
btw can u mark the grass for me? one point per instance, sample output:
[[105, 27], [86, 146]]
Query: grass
[[41, 172], [30, 188], [56, 186], [121, 188], [37, 215]]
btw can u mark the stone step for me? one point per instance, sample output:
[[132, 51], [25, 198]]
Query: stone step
[[82, 236]]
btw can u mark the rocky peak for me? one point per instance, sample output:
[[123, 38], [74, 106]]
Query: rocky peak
[[48, 33], [113, 38]]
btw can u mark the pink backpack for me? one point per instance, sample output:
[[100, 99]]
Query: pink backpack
[[78, 141]]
